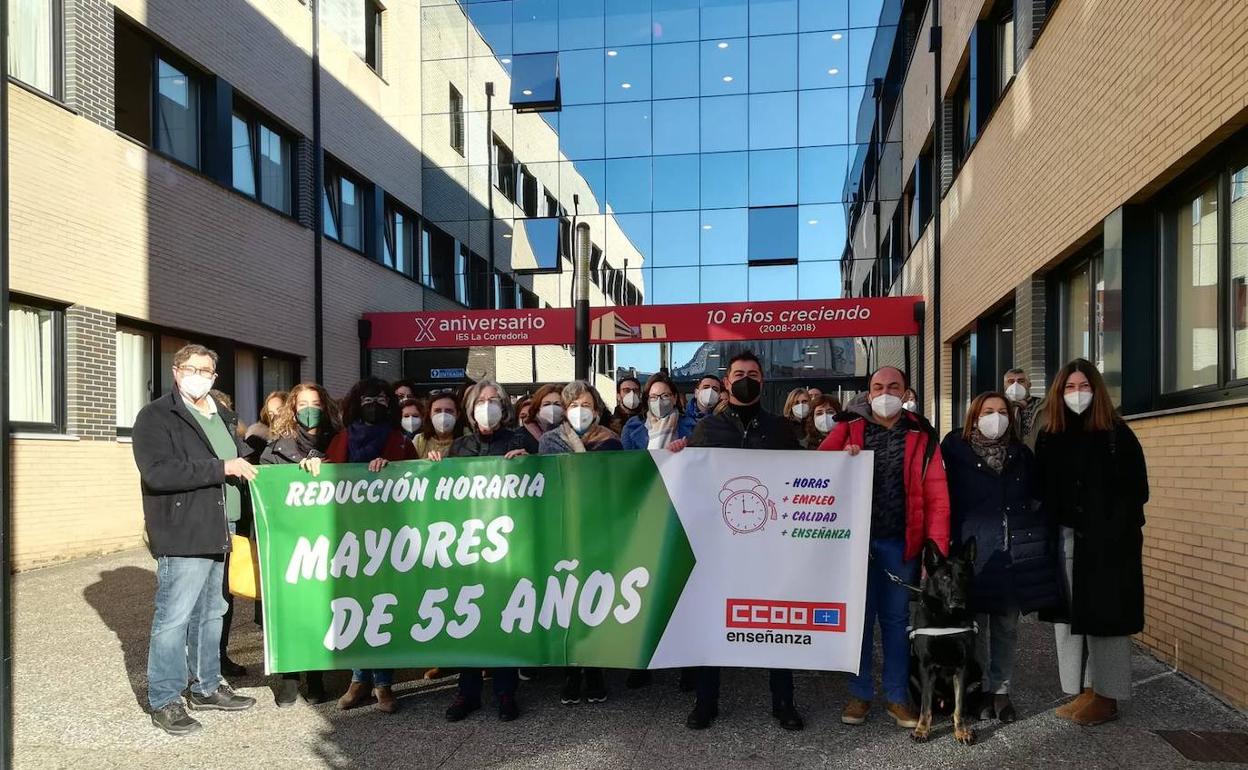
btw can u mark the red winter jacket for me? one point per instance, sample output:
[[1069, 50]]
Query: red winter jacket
[[397, 448], [927, 495]]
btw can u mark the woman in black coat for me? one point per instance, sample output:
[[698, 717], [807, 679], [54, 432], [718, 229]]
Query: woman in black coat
[[991, 499], [1094, 481]]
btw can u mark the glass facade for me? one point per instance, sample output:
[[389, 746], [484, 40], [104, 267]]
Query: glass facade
[[709, 144]]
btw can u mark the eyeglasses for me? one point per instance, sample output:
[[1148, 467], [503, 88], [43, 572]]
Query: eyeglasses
[[187, 371], [375, 400], [495, 400], [664, 397]]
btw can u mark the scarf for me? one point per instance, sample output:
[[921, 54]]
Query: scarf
[[565, 436], [662, 430], [435, 444], [312, 444], [366, 442], [991, 451]]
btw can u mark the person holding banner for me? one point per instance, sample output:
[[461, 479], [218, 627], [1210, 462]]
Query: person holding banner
[[546, 412], [488, 408], [444, 425], [299, 435], [581, 432], [819, 424], [193, 477], [372, 436], [411, 418], [909, 505], [706, 397], [744, 424], [665, 420]]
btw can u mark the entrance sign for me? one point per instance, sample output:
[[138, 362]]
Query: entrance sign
[[614, 559], [790, 319]]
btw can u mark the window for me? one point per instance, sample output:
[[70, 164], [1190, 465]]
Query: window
[[595, 263], [963, 378], [343, 206], [1004, 32], [530, 200], [455, 111], [535, 246], [440, 262], [277, 373], [552, 204], [358, 23], [1081, 311], [261, 161], [35, 43], [920, 197], [505, 294], [504, 170], [535, 82], [1238, 283], [399, 251], [773, 236], [36, 364], [156, 97], [372, 34], [965, 125], [135, 383]]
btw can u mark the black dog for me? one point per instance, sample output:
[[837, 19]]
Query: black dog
[[942, 642]]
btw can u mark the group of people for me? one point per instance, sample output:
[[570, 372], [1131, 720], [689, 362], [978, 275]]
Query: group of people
[[1050, 488]]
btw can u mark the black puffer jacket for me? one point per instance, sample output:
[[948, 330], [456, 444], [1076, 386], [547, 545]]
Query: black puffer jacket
[[726, 430], [497, 444], [182, 479]]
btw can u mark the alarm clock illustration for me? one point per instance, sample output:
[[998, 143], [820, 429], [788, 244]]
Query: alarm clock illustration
[[745, 504]]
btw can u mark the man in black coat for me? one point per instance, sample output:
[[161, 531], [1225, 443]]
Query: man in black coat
[[743, 424], [193, 477]]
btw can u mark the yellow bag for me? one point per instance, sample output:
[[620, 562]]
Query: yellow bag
[[244, 568]]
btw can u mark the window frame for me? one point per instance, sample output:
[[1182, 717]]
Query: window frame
[[337, 172], [58, 46], [414, 222], [1091, 258], [963, 358], [58, 424], [197, 80], [153, 363], [457, 127], [255, 120], [374, 35]]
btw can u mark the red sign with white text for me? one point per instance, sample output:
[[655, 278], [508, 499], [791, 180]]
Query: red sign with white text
[[790, 319]]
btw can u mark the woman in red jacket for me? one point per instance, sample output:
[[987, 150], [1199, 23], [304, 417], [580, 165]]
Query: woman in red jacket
[[909, 505], [371, 435]]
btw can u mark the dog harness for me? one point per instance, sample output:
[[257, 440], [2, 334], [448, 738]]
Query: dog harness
[[972, 629]]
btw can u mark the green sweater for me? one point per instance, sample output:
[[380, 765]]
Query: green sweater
[[226, 448]]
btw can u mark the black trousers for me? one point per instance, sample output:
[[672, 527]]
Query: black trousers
[[471, 681], [707, 679]]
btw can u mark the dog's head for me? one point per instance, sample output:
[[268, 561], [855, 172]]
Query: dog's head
[[947, 585]]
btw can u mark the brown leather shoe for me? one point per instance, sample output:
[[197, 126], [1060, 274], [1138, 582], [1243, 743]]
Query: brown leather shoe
[[903, 715], [856, 711], [434, 673], [356, 695], [1069, 708], [386, 702], [1098, 711]]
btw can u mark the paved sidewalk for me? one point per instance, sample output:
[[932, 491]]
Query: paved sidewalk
[[81, 647]]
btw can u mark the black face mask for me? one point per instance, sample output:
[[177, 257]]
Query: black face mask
[[372, 413], [746, 390]]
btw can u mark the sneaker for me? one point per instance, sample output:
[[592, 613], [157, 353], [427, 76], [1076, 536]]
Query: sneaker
[[637, 679], [461, 707], [231, 669], [595, 686], [287, 693], [173, 719], [786, 714], [356, 695], [223, 699], [855, 712], [903, 715], [570, 695], [1071, 707], [508, 709], [386, 702], [702, 715], [1098, 711]]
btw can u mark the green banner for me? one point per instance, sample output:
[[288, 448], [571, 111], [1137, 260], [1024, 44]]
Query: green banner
[[561, 560]]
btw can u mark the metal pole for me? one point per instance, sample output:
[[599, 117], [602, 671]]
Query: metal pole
[[938, 154], [489, 154], [580, 280], [318, 197], [6, 487]]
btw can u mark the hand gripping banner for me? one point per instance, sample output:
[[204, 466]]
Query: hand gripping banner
[[613, 559]]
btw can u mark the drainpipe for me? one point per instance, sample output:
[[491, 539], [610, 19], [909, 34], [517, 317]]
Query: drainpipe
[[6, 572], [937, 132], [318, 196]]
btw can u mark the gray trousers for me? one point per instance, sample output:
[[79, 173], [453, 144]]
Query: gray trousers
[[1100, 662], [994, 649]]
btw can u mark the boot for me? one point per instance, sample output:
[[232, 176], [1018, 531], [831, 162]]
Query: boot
[[1003, 708], [287, 692], [386, 702], [1068, 710], [316, 688], [1097, 711], [356, 695], [704, 712]]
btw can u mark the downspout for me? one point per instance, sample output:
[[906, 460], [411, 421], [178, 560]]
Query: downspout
[[318, 196], [937, 132]]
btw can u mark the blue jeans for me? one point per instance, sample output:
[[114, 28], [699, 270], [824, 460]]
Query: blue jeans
[[186, 628], [380, 677], [891, 604]]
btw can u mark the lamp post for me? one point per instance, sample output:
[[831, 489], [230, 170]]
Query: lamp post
[[580, 285], [489, 186]]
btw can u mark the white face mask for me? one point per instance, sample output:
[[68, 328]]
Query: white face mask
[[550, 415], [488, 415], [886, 406], [630, 400], [411, 424], [661, 407], [580, 418], [443, 422], [1078, 401], [823, 422], [910, 406], [195, 386], [993, 425], [1016, 392], [801, 410], [708, 397]]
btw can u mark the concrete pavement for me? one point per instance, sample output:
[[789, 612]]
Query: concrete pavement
[[80, 677]]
